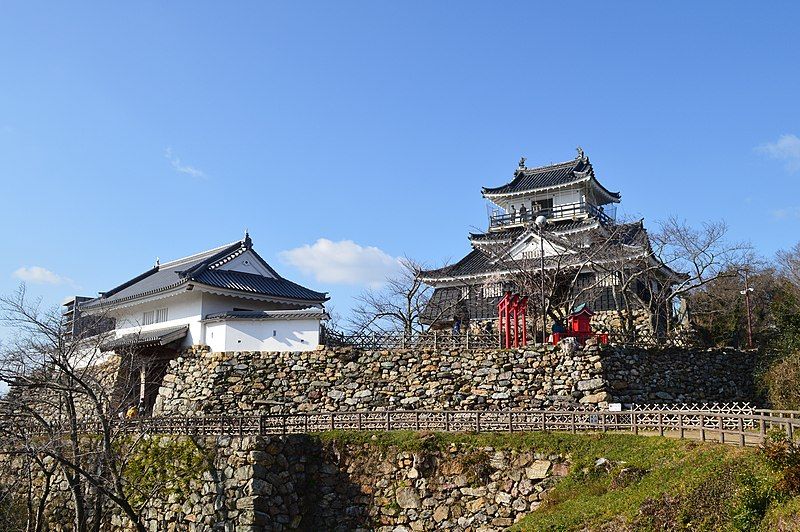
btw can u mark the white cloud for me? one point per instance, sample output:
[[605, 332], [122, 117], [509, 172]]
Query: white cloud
[[39, 275], [181, 168], [786, 214], [786, 149], [343, 262]]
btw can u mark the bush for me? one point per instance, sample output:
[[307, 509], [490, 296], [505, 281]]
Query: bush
[[781, 381], [782, 454]]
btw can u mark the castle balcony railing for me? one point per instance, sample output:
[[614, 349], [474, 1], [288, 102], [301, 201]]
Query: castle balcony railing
[[560, 212]]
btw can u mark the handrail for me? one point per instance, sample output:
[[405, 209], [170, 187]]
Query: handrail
[[740, 428], [561, 211]]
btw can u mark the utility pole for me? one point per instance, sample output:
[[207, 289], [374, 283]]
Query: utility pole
[[746, 294]]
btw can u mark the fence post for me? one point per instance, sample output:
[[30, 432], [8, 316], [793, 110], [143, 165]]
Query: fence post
[[741, 433], [603, 421], [510, 421], [762, 428], [416, 420], [240, 426], [447, 421], [388, 422], [634, 423], [333, 423], [702, 427], [721, 429], [660, 424], [359, 420], [572, 422], [477, 421], [680, 425]]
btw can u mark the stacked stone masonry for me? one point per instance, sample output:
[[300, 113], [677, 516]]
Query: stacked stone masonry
[[341, 379], [303, 483]]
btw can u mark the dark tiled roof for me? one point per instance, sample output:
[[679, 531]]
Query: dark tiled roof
[[270, 315], [553, 175], [474, 263], [505, 234], [512, 233], [479, 262], [203, 268], [257, 284], [446, 303], [155, 337]]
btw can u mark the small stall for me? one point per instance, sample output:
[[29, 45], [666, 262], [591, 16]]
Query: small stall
[[579, 326]]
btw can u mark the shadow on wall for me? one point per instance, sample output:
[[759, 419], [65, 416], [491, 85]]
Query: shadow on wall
[[315, 488]]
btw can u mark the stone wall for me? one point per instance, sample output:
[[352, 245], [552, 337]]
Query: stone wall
[[304, 483], [535, 377], [680, 375], [347, 379]]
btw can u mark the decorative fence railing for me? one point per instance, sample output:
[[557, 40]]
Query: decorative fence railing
[[742, 429], [725, 408], [417, 340], [465, 340]]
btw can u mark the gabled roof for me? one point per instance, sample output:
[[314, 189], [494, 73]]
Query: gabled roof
[[204, 269], [482, 259], [550, 176]]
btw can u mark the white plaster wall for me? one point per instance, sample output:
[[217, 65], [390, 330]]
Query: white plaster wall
[[184, 309], [271, 335], [247, 263], [566, 197], [215, 335], [213, 303]]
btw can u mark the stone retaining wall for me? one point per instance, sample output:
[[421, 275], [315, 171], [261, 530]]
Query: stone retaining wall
[[535, 377], [303, 483]]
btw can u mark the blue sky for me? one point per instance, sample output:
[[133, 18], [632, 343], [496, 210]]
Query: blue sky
[[135, 130]]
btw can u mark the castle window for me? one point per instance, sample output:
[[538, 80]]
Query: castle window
[[148, 318], [492, 290], [465, 292], [609, 279], [161, 315]]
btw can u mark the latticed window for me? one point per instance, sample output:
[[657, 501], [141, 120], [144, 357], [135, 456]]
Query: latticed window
[[492, 290], [609, 279], [465, 292], [155, 316]]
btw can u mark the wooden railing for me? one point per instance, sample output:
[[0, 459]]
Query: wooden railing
[[572, 210], [742, 429]]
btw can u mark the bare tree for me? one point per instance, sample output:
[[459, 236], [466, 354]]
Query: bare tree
[[396, 306], [641, 272], [60, 414]]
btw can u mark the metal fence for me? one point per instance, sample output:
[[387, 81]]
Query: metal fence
[[416, 340], [439, 339], [725, 427]]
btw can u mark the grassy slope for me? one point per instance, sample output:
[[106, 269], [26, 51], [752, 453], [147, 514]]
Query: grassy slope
[[683, 484]]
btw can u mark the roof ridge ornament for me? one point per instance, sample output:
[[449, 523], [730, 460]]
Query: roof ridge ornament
[[581, 154], [521, 165], [247, 242]]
